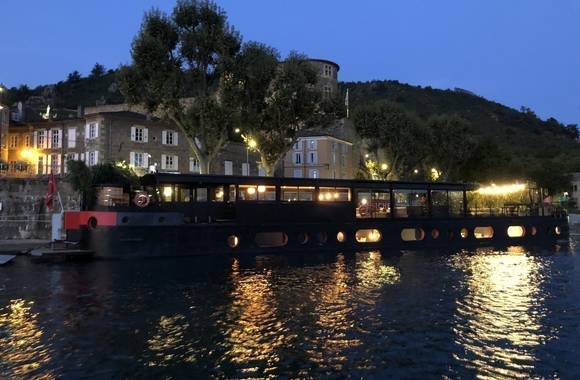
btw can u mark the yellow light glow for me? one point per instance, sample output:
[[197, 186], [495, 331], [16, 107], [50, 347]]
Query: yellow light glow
[[364, 201], [261, 189], [251, 190], [237, 130], [384, 166], [435, 174], [328, 196], [320, 197], [219, 194], [167, 191], [416, 171], [252, 143], [29, 154], [501, 189], [336, 195]]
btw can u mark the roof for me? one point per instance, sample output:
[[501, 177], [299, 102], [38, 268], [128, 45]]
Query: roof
[[126, 115], [326, 61], [151, 179]]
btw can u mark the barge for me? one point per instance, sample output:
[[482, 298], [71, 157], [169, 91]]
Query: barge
[[182, 215]]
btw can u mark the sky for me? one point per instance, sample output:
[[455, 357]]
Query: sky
[[516, 52]]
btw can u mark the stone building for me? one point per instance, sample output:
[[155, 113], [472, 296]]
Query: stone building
[[576, 189], [122, 133]]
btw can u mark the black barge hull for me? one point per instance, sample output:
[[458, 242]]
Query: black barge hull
[[165, 235]]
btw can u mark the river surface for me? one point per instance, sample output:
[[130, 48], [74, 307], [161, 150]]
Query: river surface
[[406, 314]]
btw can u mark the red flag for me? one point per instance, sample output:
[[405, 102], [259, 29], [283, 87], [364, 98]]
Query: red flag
[[51, 190]]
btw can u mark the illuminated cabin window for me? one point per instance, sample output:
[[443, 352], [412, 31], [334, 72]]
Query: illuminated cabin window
[[218, 194], [412, 234], [271, 239], [297, 193], [410, 203], [533, 231], [257, 193], [483, 232], [373, 204], [341, 237], [435, 233], [167, 193], [516, 231], [334, 194], [464, 233], [368, 236], [233, 241], [201, 194], [557, 230]]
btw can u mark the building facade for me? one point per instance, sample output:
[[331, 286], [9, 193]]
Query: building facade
[[576, 189], [320, 156]]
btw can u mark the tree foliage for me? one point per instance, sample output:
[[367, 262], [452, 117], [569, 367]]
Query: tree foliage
[[277, 100], [182, 69], [394, 137], [97, 71], [84, 179]]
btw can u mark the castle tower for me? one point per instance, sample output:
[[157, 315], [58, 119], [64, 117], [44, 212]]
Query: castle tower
[[327, 76]]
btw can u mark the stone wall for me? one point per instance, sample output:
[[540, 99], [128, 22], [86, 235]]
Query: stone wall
[[23, 214]]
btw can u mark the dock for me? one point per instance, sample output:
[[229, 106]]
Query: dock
[[60, 254]]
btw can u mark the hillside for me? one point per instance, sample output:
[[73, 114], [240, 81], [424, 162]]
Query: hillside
[[528, 140]]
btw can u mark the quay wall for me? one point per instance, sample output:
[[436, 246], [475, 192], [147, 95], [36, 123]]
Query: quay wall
[[23, 213]]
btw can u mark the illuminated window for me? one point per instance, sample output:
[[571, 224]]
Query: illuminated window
[[368, 236], [167, 193], [412, 234], [341, 237], [435, 233], [295, 193], [201, 194], [557, 230], [334, 194], [257, 193], [373, 204], [464, 233], [218, 194], [483, 232], [233, 241], [410, 203], [271, 239], [516, 231]]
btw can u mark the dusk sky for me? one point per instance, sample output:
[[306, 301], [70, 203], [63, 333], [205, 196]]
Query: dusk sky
[[517, 52]]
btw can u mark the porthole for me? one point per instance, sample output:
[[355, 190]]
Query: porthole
[[412, 234], [435, 233], [516, 231], [368, 236], [341, 237], [271, 239], [464, 233], [533, 231], [124, 220], [451, 235], [485, 232], [92, 222], [557, 230], [302, 238], [233, 241], [321, 237]]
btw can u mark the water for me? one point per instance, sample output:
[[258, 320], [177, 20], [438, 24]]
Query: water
[[410, 314]]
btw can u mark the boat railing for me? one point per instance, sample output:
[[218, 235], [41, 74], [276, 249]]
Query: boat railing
[[516, 209]]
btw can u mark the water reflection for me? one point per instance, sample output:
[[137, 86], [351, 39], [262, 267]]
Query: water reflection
[[498, 320], [23, 352]]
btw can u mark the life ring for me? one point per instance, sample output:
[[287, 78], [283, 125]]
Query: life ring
[[141, 200]]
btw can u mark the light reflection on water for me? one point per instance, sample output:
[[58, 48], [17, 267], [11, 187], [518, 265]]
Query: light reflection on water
[[481, 313]]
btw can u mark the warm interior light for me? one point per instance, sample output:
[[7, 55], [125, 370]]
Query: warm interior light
[[328, 196], [261, 189], [167, 191], [336, 195], [384, 166], [28, 154], [320, 197], [251, 190], [501, 189], [219, 194], [364, 201]]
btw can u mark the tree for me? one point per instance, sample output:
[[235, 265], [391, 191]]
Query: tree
[[278, 99], [97, 71], [452, 145], [75, 76], [84, 179], [181, 70], [396, 138]]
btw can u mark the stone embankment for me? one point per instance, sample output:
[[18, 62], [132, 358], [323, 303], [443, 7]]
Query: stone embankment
[[23, 213]]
